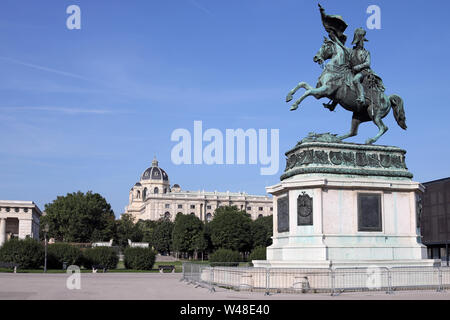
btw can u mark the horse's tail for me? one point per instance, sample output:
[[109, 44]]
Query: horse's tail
[[399, 112]]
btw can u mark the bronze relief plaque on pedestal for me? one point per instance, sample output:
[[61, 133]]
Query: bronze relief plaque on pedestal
[[304, 210], [283, 214]]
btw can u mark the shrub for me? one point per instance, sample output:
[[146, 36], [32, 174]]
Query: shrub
[[58, 253], [139, 258], [104, 256], [225, 257], [259, 253], [28, 253]]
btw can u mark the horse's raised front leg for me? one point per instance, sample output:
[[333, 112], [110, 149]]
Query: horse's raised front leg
[[316, 92], [382, 129], [303, 85]]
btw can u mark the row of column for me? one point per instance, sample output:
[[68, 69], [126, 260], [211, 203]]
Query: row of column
[[2, 231]]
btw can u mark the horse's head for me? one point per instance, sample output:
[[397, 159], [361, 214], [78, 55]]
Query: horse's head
[[325, 52]]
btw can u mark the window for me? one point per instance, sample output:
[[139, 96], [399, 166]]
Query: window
[[8, 209], [180, 206], [192, 206], [167, 205], [249, 208], [193, 214], [25, 209], [165, 190], [260, 216], [271, 208], [16, 209], [260, 208], [144, 194], [208, 217], [167, 215], [208, 207], [369, 212], [156, 190]]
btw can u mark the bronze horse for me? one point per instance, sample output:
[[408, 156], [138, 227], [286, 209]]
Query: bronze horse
[[334, 84]]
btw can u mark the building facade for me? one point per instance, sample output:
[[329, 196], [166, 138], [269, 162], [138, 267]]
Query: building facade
[[153, 198], [435, 218], [19, 219]]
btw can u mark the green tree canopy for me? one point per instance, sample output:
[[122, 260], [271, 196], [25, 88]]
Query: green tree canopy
[[231, 229], [162, 236], [147, 227], [127, 229], [188, 234], [262, 231], [80, 217]]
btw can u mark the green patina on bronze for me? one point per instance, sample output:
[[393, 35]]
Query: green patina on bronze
[[348, 80], [314, 155]]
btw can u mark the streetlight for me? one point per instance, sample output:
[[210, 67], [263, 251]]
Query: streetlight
[[45, 239]]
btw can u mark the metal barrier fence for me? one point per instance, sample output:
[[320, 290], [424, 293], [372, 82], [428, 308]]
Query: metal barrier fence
[[332, 280]]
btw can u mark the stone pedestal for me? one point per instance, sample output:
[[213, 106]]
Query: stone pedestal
[[345, 205]]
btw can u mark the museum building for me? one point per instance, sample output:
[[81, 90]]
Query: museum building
[[153, 198]]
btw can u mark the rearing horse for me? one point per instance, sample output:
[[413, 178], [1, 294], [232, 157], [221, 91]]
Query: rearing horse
[[335, 83]]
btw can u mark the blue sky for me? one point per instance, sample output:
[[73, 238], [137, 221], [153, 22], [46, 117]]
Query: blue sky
[[88, 109]]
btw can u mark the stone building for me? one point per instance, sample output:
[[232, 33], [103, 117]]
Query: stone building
[[435, 218], [153, 198], [19, 219]]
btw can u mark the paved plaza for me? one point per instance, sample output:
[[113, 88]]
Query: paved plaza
[[156, 286]]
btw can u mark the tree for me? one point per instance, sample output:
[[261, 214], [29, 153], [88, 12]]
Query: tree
[[262, 231], [147, 228], [127, 229], [231, 229], [188, 234], [162, 236], [79, 217]]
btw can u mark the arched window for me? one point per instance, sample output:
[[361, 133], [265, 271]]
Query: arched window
[[156, 190], [192, 213], [167, 215], [260, 215], [165, 190], [138, 194], [144, 194], [208, 217]]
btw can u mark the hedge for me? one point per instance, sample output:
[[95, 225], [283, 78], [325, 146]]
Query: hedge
[[259, 253], [58, 253], [225, 257], [104, 256], [139, 258], [27, 253]]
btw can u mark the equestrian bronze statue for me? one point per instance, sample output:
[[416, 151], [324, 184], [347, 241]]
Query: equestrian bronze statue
[[348, 80]]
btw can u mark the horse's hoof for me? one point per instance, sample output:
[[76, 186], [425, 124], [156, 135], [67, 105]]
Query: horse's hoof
[[289, 98], [294, 108]]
